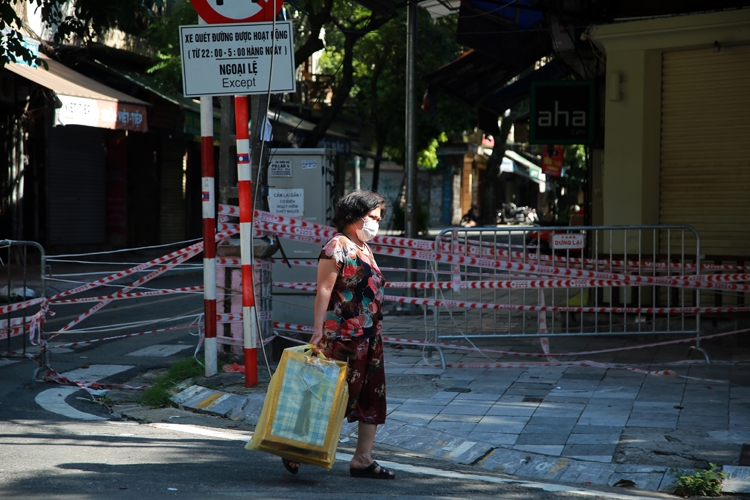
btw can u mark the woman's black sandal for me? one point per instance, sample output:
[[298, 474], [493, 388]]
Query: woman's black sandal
[[383, 473], [288, 466]]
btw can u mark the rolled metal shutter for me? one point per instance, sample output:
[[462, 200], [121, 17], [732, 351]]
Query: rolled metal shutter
[[705, 128], [76, 186], [173, 183]]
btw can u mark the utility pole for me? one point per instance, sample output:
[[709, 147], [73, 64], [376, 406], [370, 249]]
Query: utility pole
[[411, 209]]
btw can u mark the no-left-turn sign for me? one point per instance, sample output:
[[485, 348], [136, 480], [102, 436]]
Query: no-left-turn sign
[[237, 11]]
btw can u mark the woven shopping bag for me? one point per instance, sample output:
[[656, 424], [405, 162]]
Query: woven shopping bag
[[304, 408]]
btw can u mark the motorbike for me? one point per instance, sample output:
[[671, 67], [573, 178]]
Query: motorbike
[[512, 214]]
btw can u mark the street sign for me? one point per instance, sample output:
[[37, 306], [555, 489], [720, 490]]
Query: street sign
[[572, 241], [237, 11], [237, 59], [562, 112]]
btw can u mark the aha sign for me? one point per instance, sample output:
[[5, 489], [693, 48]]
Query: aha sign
[[237, 11]]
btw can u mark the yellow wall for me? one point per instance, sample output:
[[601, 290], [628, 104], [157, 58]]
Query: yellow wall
[[630, 167]]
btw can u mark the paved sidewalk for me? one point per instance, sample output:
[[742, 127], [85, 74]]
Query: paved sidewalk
[[583, 425]]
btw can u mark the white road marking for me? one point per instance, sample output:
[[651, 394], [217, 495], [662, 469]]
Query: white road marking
[[54, 399], [416, 469], [95, 373], [159, 351]]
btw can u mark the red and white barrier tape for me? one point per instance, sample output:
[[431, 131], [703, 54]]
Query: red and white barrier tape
[[290, 225], [21, 305], [188, 289], [517, 307], [117, 337]]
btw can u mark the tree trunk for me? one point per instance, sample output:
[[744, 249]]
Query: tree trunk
[[489, 199]]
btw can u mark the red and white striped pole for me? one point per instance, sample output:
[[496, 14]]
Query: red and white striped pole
[[245, 190], [209, 230]]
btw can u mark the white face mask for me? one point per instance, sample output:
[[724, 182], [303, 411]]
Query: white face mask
[[369, 230]]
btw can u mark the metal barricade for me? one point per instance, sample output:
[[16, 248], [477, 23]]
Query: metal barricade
[[21, 295], [566, 281]]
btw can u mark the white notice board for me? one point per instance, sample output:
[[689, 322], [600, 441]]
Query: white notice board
[[288, 202], [235, 59]]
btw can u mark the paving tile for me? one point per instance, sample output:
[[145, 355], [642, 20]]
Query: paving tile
[[560, 406], [656, 406], [568, 375], [455, 428], [550, 398], [588, 473], [504, 460], [511, 410], [516, 398], [411, 407], [613, 438], [647, 419], [412, 417], [605, 403], [589, 450], [592, 458], [659, 397], [595, 429], [541, 438], [465, 419], [712, 410], [465, 409], [423, 401], [472, 397], [504, 428], [502, 420], [651, 423], [493, 438], [544, 468], [641, 469], [604, 419], [558, 423], [423, 370], [553, 450], [618, 393], [444, 396]]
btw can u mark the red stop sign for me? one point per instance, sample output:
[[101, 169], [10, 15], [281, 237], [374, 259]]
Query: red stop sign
[[237, 11]]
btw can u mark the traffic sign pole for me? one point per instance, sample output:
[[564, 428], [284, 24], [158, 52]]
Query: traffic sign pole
[[208, 205], [232, 57], [245, 191]]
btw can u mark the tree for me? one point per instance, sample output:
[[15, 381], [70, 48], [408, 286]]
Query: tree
[[378, 90], [81, 19], [352, 22]]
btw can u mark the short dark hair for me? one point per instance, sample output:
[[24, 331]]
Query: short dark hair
[[356, 205]]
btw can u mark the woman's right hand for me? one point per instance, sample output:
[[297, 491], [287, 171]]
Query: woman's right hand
[[316, 340]]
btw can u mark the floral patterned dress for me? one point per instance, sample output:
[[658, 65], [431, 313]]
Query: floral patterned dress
[[355, 307], [352, 329]]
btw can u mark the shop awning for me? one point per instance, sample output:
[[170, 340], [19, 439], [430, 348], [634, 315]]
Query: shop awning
[[85, 101], [513, 163], [519, 90], [440, 8]]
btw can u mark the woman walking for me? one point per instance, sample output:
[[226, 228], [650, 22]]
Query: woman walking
[[348, 314]]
